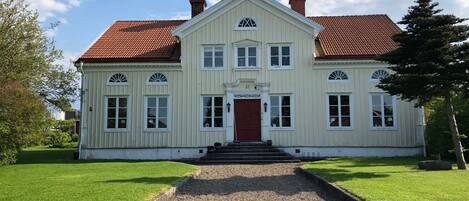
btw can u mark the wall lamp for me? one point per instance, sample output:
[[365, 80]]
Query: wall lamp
[[265, 107], [228, 106]]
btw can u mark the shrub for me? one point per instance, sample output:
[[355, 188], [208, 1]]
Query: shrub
[[438, 135], [59, 139]]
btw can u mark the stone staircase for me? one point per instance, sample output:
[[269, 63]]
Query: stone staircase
[[247, 153]]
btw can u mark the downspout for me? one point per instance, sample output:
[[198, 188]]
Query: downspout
[[422, 125]]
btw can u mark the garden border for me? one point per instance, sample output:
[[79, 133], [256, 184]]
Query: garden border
[[171, 191], [328, 187]]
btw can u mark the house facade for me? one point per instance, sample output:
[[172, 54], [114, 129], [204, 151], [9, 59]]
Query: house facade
[[243, 71]]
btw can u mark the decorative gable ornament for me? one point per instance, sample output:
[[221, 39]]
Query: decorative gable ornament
[[379, 75], [338, 75], [247, 23], [118, 78]]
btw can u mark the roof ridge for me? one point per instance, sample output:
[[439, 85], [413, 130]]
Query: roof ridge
[[367, 15], [164, 20]]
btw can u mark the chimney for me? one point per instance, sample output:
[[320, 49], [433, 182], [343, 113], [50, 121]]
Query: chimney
[[298, 6], [198, 6]]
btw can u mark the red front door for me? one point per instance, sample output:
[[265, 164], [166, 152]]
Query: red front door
[[247, 120]]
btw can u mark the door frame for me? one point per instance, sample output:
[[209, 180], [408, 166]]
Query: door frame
[[248, 89]]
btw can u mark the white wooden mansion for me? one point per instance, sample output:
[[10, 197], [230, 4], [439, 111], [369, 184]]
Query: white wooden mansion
[[243, 71]]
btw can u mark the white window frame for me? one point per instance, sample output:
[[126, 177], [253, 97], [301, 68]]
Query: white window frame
[[145, 117], [339, 81], [201, 122], [246, 28], [340, 127], [292, 112], [370, 112], [106, 129], [246, 59], [157, 83], [375, 81], [117, 83], [202, 57], [280, 66]]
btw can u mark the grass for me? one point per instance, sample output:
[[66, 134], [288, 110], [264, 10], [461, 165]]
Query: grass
[[51, 174], [392, 179]]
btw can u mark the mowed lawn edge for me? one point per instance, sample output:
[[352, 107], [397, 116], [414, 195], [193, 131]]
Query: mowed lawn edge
[[392, 179], [51, 174]]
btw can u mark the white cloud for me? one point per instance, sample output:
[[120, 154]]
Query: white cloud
[[180, 16], [211, 2], [463, 3], [68, 59], [327, 7], [51, 8]]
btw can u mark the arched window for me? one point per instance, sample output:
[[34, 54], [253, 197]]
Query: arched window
[[379, 75], [158, 78], [338, 75], [118, 78], [247, 23]]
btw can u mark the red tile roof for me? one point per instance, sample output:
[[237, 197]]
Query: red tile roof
[[355, 37], [344, 37]]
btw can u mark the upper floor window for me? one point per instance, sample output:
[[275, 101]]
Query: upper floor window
[[379, 75], [118, 78], [338, 75], [213, 57], [247, 57], [280, 56], [158, 78], [247, 23]]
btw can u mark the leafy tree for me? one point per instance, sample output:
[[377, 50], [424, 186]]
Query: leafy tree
[[30, 81], [432, 61]]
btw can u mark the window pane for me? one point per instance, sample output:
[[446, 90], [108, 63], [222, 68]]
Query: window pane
[[377, 111], [219, 62], [208, 54], [387, 100], [286, 51], [207, 102], [275, 111], [122, 123], [208, 112], [207, 122], [388, 111], [252, 61], [274, 61], [345, 110], [163, 102], [218, 122], [219, 112], [334, 110], [334, 121], [163, 123], [345, 100], [286, 122], [151, 102], [346, 122], [376, 99], [285, 60], [252, 51], [208, 62], [111, 123], [218, 101], [286, 111], [151, 123], [377, 122], [111, 102], [151, 112], [389, 121], [333, 100], [286, 100], [123, 113], [274, 51], [274, 101], [241, 62], [275, 122], [122, 102], [219, 51], [162, 112], [241, 52], [111, 113]]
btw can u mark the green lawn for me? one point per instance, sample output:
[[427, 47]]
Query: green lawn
[[51, 174], [392, 179]]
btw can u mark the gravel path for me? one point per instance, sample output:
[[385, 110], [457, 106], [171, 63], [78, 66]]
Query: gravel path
[[250, 182]]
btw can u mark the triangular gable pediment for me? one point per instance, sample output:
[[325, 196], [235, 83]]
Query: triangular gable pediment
[[212, 13]]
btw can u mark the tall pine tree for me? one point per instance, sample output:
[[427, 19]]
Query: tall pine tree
[[432, 61]]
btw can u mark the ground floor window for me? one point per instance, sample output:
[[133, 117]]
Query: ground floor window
[[339, 111], [383, 111], [116, 112], [212, 112], [156, 112], [280, 112]]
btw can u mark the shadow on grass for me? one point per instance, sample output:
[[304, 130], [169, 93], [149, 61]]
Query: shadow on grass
[[147, 180], [336, 175]]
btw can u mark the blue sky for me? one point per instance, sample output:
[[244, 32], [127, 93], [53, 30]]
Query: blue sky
[[84, 20]]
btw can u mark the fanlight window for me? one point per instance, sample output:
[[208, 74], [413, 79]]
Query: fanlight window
[[338, 76], [158, 78], [247, 23], [118, 79], [379, 75]]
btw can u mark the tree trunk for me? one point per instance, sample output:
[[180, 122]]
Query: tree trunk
[[453, 125]]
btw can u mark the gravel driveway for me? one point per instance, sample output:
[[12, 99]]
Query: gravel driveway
[[250, 182]]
